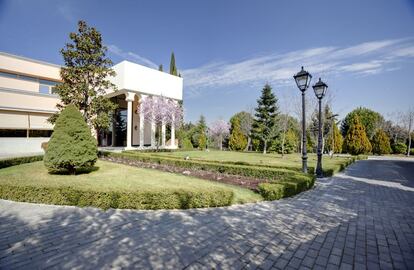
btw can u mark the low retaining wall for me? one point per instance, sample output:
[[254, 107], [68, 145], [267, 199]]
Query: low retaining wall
[[21, 146]]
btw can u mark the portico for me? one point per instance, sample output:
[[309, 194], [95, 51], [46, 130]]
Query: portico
[[131, 129]]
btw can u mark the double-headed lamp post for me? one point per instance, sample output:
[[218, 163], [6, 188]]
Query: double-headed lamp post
[[320, 89], [303, 79]]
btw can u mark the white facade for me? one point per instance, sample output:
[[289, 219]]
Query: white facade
[[27, 101]]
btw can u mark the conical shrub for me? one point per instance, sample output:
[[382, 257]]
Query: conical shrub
[[356, 141], [71, 146], [381, 143]]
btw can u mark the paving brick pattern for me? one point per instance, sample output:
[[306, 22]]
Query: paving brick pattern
[[362, 219]]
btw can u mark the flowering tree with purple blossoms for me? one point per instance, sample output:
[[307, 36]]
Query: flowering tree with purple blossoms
[[220, 129], [161, 110]]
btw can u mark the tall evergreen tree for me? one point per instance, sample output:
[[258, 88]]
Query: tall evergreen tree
[[356, 140], [173, 67], [199, 137], [237, 139], [334, 140], [381, 143], [160, 68], [264, 125], [85, 77], [370, 119]]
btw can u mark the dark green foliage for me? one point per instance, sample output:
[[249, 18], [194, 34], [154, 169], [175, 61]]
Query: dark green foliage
[[264, 125], [160, 67], [369, 119], [199, 137], [4, 163], [399, 148], [238, 140], [381, 143], [71, 146], [173, 67], [356, 141], [166, 199], [85, 77], [186, 144], [337, 139]]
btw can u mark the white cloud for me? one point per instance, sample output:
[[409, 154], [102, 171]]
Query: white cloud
[[131, 56], [365, 58]]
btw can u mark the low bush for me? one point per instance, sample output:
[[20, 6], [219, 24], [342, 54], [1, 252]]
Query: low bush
[[399, 148], [271, 191], [187, 145], [4, 163], [165, 199]]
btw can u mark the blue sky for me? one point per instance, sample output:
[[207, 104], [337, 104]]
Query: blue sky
[[227, 50]]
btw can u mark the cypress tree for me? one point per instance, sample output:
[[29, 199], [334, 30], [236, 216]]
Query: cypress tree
[[264, 124], [201, 137], [381, 143], [356, 140], [338, 140], [237, 139], [71, 146], [173, 67]]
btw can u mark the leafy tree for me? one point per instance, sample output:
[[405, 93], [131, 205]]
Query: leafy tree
[[336, 140], [356, 141], [173, 67], [264, 125], [290, 142], [381, 143], [219, 129], [85, 77], [71, 146], [246, 121], [237, 140], [370, 119], [399, 148]]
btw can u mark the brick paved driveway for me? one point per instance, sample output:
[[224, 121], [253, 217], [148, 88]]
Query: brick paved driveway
[[361, 219]]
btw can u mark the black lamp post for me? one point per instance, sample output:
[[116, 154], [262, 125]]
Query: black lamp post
[[303, 79], [320, 89]]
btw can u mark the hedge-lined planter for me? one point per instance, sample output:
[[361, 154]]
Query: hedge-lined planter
[[288, 181], [165, 199], [4, 163]]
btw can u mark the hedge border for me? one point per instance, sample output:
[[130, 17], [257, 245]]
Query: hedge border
[[4, 163], [148, 200]]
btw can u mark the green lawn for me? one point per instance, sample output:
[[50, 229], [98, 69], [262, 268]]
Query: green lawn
[[116, 177], [292, 161]]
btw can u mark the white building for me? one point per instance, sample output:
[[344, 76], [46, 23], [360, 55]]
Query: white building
[[26, 101]]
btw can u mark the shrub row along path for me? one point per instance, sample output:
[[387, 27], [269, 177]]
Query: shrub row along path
[[363, 218]]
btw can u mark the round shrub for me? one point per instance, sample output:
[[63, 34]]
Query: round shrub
[[71, 146], [399, 148]]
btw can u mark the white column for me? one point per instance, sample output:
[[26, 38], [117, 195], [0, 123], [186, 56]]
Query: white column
[[173, 132], [129, 98], [141, 125], [152, 134], [163, 131]]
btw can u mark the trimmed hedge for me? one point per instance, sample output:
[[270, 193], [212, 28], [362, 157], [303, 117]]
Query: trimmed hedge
[[243, 170], [4, 163], [165, 199]]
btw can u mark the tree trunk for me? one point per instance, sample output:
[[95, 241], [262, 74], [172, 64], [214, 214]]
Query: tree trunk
[[221, 143], [249, 141], [283, 144], [264, 147]]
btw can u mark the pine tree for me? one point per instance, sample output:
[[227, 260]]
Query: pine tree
[[356, 141], [264, 125], [381, 143], [200, 134], [160, 67], [237, 141], [71, 146], [173, 67], [85, 77]]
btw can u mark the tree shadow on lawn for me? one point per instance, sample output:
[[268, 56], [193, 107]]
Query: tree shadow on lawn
[[337, 215], [85, 170]]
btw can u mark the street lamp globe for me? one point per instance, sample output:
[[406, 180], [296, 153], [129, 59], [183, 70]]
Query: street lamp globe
[[320, 89], [303, 79]]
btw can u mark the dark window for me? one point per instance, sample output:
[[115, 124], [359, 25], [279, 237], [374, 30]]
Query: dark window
[[40, 133], [13, 133]]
